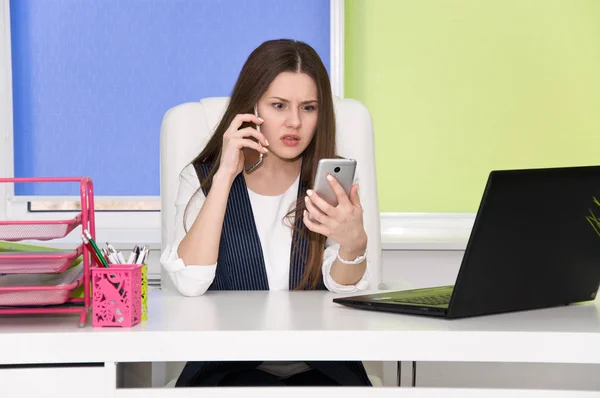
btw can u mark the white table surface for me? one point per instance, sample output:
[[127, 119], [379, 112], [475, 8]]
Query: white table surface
[[303, 326]]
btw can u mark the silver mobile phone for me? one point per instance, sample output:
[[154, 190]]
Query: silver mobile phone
[[342, 169], [252, 158]]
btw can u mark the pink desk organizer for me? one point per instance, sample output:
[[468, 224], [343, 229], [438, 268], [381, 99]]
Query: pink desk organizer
[[116, 295]]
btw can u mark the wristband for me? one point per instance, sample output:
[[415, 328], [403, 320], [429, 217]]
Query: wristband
[[357, 260]]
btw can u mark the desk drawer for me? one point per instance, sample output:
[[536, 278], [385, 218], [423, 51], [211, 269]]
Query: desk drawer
[[53, 382]]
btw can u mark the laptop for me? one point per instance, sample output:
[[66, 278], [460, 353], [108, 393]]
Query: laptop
[[535, 243]]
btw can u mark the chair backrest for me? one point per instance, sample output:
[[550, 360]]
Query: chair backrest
[[187, 127]]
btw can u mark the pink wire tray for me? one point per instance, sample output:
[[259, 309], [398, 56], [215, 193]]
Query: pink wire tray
[[38, 262], [27, 299], [37, 230], [42, 290]]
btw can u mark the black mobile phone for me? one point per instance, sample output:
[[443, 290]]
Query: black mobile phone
[[252, 158]]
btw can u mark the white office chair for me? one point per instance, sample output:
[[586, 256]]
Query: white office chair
[[187, 127]]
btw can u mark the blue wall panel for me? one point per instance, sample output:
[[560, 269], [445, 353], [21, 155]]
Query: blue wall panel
[[92, 79]]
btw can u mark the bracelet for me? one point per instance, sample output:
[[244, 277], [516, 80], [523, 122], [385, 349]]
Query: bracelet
[[357, 260]]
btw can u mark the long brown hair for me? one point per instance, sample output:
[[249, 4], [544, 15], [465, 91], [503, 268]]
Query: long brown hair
[[263, 65]]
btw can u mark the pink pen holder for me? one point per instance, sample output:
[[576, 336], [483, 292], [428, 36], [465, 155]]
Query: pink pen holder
[[117, 295]]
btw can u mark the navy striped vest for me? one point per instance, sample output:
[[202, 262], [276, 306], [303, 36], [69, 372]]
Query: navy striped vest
[[241, 266]]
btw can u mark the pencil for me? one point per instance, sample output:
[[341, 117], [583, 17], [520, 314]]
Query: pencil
[[87, 236]]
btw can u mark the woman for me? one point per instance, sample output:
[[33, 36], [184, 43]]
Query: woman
[[236, 230]]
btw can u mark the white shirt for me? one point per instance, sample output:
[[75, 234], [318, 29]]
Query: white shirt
[[276, 241]]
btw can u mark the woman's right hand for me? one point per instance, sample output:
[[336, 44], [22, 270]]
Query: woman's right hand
[[234, 140]]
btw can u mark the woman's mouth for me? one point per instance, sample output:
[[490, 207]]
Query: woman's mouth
[[291, 139]]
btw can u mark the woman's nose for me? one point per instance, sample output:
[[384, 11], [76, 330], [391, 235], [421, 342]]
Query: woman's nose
[[293, 119]]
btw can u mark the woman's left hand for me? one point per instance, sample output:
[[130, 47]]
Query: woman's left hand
[[342, 223]]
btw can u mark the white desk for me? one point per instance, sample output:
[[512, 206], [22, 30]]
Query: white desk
[[260, 326]]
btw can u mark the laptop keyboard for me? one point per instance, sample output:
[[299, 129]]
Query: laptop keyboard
[[428, 300]]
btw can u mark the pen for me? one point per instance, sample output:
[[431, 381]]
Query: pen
[[141, 256], [132, 256], [114, 259], [117, 254], [147, 254], [106, 255], [137, 251]]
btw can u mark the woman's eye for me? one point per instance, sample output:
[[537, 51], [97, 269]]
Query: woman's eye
[[310, 108], [278, 105]]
